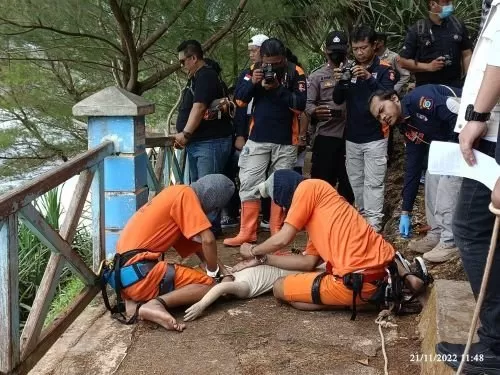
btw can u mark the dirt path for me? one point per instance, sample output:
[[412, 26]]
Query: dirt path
[[260, 336]]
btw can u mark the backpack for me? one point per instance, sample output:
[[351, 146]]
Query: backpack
[[221, 107]]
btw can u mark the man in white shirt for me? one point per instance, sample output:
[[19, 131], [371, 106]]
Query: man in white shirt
[[477, 123]]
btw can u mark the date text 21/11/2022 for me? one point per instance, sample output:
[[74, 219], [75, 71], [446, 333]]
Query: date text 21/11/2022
[[444, 358]]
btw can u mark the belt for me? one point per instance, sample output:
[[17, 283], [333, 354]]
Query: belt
[[369, 276]]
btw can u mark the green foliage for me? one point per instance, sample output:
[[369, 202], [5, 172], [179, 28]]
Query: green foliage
[[54, 53], [34, 256], [64, 297]]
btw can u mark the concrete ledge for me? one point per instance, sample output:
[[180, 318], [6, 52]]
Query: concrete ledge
[[94, 344], [446, 317]]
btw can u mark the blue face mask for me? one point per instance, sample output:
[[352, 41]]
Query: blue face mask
[[446, 11]]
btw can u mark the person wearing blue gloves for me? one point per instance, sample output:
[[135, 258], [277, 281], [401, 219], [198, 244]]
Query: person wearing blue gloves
[[427, 113]]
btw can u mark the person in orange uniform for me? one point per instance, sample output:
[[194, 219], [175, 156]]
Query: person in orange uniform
[[177, 218], [338, 235]]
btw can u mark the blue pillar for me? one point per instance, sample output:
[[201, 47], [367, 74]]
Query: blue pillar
[[120, 185]]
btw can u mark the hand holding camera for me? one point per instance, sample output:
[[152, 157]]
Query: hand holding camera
[[270, 78], [359, 72], [257, 76], [437, 64]]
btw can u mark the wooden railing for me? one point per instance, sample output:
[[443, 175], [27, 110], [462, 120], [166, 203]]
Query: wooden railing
[[167, 165], [20, 351]]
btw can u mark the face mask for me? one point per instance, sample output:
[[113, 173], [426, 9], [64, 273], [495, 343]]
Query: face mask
[[446, 11], [337, 57]]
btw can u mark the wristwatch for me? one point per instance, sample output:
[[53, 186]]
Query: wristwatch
[[303, 138], [187, 135], [471, 115]]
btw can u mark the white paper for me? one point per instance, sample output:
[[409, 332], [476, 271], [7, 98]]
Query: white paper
[[446, 159]]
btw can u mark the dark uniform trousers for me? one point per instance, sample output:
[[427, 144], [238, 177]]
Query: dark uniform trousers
[[328, 163], [472, 229]]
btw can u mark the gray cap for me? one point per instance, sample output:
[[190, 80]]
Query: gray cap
[[214, 191]]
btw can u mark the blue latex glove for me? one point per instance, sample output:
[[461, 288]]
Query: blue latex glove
[[405, 225]]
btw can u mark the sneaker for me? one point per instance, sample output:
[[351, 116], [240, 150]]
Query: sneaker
[[423, 245], [228, 222], [264, 224], [441, 253], [481, 359]]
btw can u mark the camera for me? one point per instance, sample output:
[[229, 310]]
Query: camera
[[335, 113], [347, 72], [447, 60], [269, 74]]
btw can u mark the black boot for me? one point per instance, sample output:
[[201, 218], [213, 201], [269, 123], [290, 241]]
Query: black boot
[[480, 360]]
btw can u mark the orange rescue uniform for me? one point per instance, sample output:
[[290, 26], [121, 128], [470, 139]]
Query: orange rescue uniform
[[340, 236], [171, 219]]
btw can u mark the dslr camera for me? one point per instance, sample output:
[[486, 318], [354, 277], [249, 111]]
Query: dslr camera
[[447, 60], [347, 72], [269, 74]]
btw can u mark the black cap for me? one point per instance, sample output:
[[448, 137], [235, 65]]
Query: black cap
[[336, 41]]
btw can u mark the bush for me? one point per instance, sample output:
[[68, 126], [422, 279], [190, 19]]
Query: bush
[[34, 256]]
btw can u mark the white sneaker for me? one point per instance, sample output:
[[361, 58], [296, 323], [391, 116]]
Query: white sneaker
[[441, 253], [423, 245]]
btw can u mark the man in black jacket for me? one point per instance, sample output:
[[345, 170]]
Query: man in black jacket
[[366, 139]]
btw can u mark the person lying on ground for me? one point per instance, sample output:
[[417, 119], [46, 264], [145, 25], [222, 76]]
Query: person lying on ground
[[248, 283], [177, 218], [338, 235]]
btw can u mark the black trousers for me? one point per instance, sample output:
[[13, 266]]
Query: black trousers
[[472, 229], [328, 163]]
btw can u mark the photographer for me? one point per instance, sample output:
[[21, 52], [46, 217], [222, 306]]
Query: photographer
[[437, 49], [278, 90], [328, 119], [366, 139]]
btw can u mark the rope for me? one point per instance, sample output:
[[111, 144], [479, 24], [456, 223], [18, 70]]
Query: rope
[[484, 285], [385, 319]]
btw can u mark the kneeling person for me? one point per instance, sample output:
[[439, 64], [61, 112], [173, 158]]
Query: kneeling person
[[338, 235], [177, 218]]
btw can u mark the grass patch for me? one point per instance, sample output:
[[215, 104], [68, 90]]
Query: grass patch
[[63, 298]]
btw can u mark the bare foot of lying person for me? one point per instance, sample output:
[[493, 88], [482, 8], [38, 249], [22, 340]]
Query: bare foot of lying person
[[155, 312]]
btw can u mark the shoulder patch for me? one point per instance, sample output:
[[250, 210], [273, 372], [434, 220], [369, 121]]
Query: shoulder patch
[[426, 103], [299, 70], [247, 77], [392, 76], [302, 86]]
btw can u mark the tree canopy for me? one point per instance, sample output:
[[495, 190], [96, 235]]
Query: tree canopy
[[54, 53]]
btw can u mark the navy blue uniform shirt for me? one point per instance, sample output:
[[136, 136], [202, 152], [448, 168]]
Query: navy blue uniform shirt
[[275, 112], [429, 114], [361, 126]]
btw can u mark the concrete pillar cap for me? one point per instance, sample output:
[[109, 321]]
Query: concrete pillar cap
[[113, 101]]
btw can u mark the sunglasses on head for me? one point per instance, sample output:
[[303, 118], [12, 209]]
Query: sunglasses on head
[[183, 61]]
